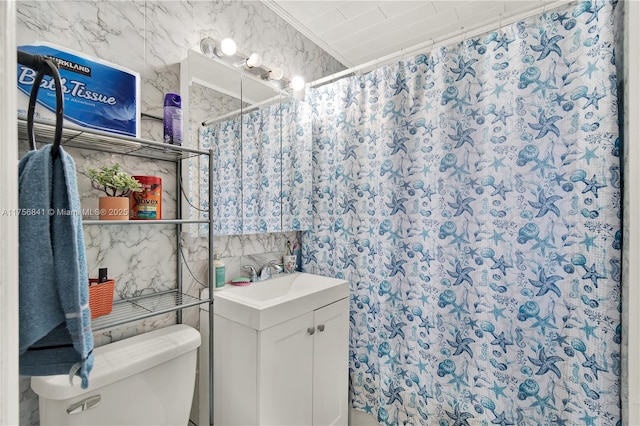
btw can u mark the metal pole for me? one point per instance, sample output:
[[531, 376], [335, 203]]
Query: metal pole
[[178, 237], [211, 285]]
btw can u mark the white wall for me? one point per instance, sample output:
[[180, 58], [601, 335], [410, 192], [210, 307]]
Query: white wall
[[8, 224]]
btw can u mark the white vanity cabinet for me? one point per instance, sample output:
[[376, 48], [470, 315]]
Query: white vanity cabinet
[[292, 373]]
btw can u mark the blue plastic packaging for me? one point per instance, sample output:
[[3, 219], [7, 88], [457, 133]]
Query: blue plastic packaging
[[172, 119], [97, 94]]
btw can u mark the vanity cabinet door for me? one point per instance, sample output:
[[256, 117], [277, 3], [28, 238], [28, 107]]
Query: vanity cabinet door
[[286, 372], [331, 364]]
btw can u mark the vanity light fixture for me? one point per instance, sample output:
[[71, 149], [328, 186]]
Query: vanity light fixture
[[297, 83], [209, 47], [274, 74], [227, 47], [253, 61], [226, 51]]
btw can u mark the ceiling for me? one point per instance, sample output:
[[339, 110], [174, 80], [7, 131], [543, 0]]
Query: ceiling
[[359, 31]]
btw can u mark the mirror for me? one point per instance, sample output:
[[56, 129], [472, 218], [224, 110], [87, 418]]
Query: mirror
[[261, 142]]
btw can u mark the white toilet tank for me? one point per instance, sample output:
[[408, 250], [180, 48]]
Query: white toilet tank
[[143, 380]]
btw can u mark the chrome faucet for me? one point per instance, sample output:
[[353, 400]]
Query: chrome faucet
[[265, 272], [254, 274]]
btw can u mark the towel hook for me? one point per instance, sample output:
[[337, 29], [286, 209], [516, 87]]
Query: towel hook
[[43, 66]]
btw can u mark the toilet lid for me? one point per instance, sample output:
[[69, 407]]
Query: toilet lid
[[122, 359]]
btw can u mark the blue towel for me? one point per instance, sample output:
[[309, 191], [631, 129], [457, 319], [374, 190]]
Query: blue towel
[[55, 320]]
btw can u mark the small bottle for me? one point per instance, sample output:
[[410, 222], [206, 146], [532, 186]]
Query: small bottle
[[219, 272], [172, 119]]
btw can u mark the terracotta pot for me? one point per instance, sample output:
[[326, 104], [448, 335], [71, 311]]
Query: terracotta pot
[[114, 208]]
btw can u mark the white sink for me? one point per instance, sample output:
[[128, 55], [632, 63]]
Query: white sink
[[266, 303]]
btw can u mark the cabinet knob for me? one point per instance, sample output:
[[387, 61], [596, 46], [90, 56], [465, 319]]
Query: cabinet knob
[[321, 328], [311, 330]]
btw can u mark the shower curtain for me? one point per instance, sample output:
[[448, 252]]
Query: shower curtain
[[224, 139], [296, 153], [261, 170], [260, 173], [247, 170], [472, 199]]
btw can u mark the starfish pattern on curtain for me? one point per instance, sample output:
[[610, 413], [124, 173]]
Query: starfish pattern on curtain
[[261, 178], [472, 199]]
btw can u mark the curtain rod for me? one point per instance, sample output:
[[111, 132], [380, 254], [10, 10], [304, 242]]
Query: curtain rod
[[243, 110], [434, 43]]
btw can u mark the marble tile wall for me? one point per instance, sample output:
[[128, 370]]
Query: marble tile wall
[[206, 103], [152, 37]]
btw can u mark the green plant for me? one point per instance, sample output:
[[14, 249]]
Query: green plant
[[113, 181]]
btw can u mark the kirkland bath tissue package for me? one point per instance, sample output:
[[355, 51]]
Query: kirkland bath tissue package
[[97, 94]]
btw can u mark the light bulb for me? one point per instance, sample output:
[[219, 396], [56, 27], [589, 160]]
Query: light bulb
[[228, 47], [254, 60], [297, 83], [275, 74]]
